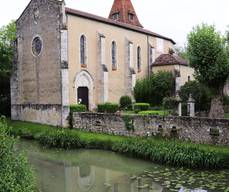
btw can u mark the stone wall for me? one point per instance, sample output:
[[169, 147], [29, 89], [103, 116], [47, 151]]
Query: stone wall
[[44, 114], [37, 77], [198, 130]]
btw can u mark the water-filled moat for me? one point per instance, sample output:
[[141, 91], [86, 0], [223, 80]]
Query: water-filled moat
[[102, 171]]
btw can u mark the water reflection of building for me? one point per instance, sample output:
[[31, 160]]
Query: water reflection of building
[[62, 177]]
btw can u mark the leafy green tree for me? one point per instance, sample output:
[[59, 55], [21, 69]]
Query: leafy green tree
[[207, 55], [152, 90], [227, 40], [200, 93], [7, 36]]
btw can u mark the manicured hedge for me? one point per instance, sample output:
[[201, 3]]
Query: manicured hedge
[[78, 108], [141, 107], [171, 152], [108, 108], [125, 103]]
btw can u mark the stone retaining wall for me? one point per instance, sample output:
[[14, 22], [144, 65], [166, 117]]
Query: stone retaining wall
[[198, 130]]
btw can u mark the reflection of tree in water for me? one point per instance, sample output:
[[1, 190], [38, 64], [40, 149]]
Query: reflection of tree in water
[[85, 177]]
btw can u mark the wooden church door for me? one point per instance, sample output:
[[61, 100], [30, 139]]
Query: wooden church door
[[83, 96]]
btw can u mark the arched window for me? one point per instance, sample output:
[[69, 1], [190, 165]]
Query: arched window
[[114, 55], [139, 58], [83, 51]]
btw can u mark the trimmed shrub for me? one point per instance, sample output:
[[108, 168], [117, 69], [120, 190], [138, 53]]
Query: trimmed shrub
[[108, 108], [141, 107], [78, 108], [15, 173], [125, 102]]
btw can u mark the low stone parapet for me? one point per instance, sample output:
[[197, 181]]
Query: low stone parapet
[[198, 130]]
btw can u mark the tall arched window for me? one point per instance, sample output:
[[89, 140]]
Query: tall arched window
[[114, 55], [83, 56], [139, 58]]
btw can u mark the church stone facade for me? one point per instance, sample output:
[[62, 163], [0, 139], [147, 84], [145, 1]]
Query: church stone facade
[[65, 56]]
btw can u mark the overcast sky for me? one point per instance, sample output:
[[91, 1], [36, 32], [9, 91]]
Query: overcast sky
[[172, 18]]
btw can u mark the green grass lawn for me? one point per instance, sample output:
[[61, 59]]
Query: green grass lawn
[[161, 150], [155, 112], [149, 112]]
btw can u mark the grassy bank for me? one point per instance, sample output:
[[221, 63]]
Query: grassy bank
[[163, 151]]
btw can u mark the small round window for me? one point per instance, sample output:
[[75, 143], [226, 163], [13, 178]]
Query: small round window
[[37, 46]]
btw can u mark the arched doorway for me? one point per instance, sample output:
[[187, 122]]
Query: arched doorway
[[83, 96], [84, 89]]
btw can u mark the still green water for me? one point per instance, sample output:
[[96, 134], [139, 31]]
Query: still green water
[[103, 171]]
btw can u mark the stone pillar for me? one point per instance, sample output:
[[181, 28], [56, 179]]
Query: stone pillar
[[64, 70], [191, 106], [130, 74], [103, 75], [179, 109]]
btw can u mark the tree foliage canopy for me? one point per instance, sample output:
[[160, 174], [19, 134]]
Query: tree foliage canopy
[[7, 36], [152, 90], [200, 93], [207, 55]]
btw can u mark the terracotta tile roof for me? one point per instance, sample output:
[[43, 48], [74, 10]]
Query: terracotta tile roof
[[123, 9], [115, 23], [168, 59]]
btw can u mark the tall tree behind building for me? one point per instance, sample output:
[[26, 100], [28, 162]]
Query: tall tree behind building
[[208, 56], [7, 36]]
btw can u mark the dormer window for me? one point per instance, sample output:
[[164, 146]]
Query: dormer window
[[131, 16], [115, 16]]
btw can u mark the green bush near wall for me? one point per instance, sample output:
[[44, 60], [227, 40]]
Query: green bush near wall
[[129, 124], [15, 173], [125, 103], [108, 108], [141, 107], [78, 108]]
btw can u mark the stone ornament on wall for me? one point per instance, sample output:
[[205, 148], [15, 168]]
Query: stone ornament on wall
[[35, 15], [36, 46]]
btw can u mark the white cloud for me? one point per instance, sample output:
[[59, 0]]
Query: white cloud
[[170, 18]]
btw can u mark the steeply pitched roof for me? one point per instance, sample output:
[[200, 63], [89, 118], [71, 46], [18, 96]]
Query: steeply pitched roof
[[169, 59], [115, 23], [123, 11]]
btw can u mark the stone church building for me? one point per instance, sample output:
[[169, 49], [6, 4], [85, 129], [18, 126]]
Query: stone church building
[[64, 56]]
